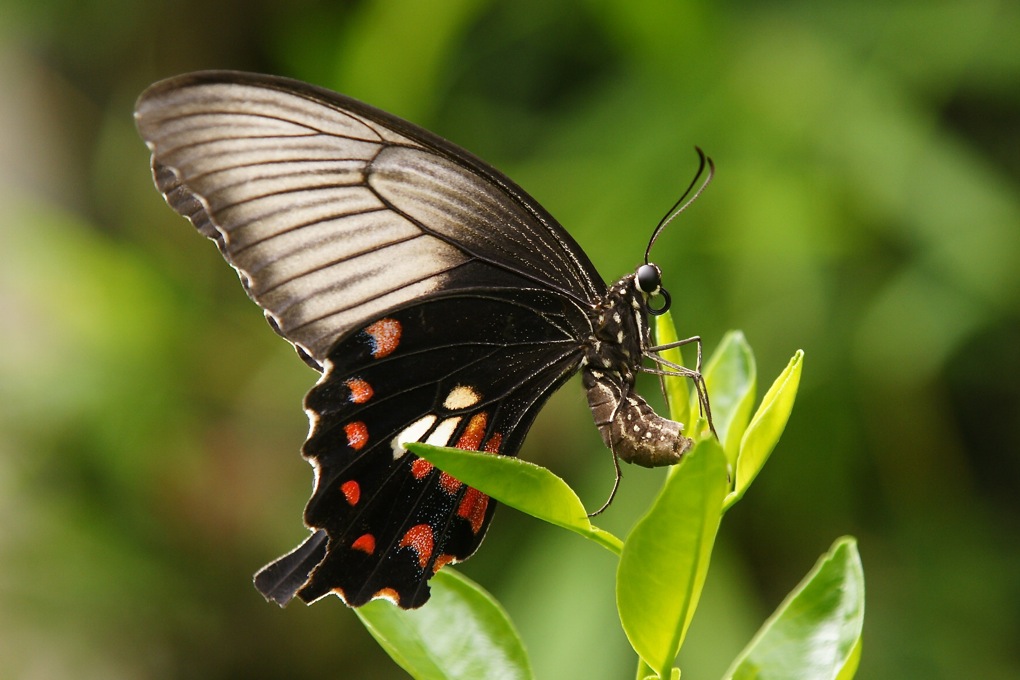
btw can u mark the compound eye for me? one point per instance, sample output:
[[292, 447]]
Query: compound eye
[[649, 279]]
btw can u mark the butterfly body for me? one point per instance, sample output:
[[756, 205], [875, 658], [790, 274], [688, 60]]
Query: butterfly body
[[439, 302], [628, 425]]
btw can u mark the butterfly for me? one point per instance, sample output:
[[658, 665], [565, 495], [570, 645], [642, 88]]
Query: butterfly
[[439, 302]]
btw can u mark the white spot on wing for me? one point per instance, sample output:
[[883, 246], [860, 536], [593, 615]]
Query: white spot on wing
[[411, 433], [327, 371], [460, 397], [313, 421], [443, 433], [313, 417]]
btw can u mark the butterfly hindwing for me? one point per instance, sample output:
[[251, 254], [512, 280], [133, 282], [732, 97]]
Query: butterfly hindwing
[[422, 373]]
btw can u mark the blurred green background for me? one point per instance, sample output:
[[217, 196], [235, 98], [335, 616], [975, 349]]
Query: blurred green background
[[865, 209]]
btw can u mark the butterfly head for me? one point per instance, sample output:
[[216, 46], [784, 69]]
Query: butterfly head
[[648, 279]]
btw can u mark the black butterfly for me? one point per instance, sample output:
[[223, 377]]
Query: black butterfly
[[440, 302]]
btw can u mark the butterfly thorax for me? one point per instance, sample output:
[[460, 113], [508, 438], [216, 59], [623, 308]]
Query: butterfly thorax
[[628, 425]]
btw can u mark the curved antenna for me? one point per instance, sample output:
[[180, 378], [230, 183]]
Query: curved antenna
[[680, 205]]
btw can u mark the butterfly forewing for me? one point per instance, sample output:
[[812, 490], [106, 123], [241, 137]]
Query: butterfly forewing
[[441, 302], [332, 211]]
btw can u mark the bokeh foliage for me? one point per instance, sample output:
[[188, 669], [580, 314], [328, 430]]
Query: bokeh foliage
[[865, 209]]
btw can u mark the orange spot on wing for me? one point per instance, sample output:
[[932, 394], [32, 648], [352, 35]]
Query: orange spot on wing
[[472, 508], [361, 391], [364, 543], [419, 539], [420, 467], [387, 594], [351, 491], [442, 561], [385, 336], [339, 592], [471, 437], [492, 446], [357, 435]]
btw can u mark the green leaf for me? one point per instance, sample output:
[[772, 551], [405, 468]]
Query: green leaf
[[849, 669], [665, 558], [645, 673], [815, 633], [677, 389], [462, 632], [766, 427], [530, 488], [731, 380]]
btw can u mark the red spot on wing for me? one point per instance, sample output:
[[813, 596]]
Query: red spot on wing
[[357, 435], [419, 539], [471, 437], [474, 503], [364, 543], [470, 440], [472, 508], [351, 491], [492, 446], [385, 336], [449, 483], [361, 391], [420, 467]]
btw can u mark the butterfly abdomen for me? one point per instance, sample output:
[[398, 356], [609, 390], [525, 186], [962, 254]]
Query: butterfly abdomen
[[631, 429], [628, 425]]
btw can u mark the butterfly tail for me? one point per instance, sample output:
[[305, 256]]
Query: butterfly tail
[[279, 581]]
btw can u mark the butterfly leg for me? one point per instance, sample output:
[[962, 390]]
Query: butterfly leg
[[616, 466], [616, 486], [682, 371]]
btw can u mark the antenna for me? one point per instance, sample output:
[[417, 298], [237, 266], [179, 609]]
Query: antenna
[[680, 204]]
